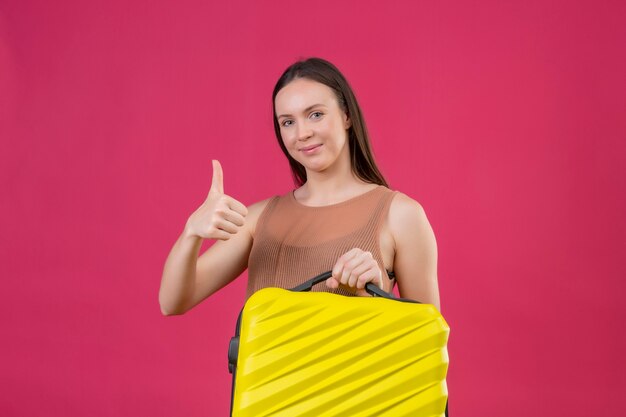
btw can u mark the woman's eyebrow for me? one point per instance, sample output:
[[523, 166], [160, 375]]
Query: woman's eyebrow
[[305, 110]]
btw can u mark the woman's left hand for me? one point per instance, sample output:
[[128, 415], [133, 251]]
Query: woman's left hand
[[354, 269]]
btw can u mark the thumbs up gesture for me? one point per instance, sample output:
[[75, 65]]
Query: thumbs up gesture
[[220, 216]]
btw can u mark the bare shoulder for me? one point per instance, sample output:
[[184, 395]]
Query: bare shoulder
[[404, 208], [254, 212], [255, 209], [405, 214]]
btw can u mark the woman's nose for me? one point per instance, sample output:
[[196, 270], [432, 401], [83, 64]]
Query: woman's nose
[[303, 131]]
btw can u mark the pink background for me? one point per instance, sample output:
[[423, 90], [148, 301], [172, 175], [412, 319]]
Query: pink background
[[505, 120]]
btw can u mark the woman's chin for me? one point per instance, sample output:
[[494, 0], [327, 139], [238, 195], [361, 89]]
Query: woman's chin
[[316, 167]]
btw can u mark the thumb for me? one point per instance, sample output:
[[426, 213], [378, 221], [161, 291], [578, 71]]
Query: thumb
[[217, 182]]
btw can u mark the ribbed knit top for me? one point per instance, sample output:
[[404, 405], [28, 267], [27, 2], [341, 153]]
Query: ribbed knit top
[[294, 242]]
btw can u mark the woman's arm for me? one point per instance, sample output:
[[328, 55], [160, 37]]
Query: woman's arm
[[415, 262], [187, 279]]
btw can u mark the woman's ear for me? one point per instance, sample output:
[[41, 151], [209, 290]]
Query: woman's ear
[[347, 122]]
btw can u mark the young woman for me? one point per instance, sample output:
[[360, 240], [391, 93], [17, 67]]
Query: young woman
[[341, 217]]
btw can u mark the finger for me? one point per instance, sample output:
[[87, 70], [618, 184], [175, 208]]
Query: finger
[[332, 283], [226, 226], [233, 217], [362, 293], [217, 181], [339, 265], [236, 205], [221, 235], [371, 275], [357, 272], [359, 260]]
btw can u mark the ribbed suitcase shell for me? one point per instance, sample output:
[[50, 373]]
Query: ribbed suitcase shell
[[320, 354]]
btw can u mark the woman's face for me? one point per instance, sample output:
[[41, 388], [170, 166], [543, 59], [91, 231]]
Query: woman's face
[[312, 125]]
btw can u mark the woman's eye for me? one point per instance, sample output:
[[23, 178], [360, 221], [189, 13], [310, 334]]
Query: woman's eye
[[317, 112]]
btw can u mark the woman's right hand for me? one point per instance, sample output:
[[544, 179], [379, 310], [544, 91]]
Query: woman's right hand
[[220, 216]]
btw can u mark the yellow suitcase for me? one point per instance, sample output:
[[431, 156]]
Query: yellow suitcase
[[319, 354]]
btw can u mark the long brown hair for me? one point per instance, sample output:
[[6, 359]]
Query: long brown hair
[[361, 157]]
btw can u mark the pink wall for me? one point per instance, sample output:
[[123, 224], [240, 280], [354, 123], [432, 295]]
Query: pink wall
[[505, 120]]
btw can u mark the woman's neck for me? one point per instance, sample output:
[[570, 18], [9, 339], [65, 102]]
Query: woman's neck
[[323, 191]]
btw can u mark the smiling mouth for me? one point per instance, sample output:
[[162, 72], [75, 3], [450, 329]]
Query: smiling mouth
[[311, 147]]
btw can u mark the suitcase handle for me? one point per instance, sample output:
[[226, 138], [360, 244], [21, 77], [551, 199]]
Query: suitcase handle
[[373, 289]]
